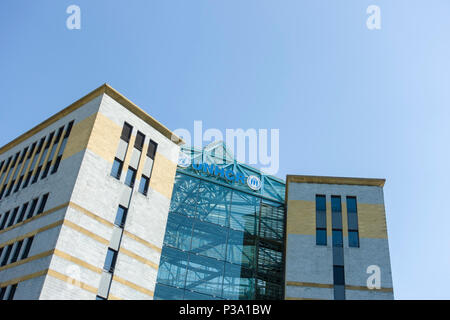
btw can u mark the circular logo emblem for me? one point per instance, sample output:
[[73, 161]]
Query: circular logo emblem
[[254, 182], [184, 160]]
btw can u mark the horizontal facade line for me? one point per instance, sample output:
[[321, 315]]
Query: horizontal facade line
[[132, 285], [32, 258], [32, 233], [41, 215], [24, 278], [309, 284]]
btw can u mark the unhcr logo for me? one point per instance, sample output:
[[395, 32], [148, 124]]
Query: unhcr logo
[[254, 182]]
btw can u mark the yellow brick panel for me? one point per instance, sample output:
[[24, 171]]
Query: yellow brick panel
[[301, 217], [79, 136], [372, 221], [104, 138], [163, 175]]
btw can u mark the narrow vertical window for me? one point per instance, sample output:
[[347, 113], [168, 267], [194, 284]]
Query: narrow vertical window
[[143, 185], [110, 261], [321, 220], [126, 132], [22, 212], [43, 203], [32, 208], [352, 218], [2, 292], [116, 170], [17, 251], [13, 217], [121, 217], [338, 275], [27, 248], [62, 148], [7, 254], [336, 221], [131, 177], [139, 143], [3, 222], [12, 291], [44, 155], [151, 151]]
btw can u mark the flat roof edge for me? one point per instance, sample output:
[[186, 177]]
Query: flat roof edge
[[103, 89], [335, 180]]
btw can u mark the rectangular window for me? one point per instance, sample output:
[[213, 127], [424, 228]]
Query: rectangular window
[[22, 212], [56, 165], [353, 239], [2, 292], [321, 237], [143, 185], [13, 217], [336, 221], [12, 291], [43, 203], [352, 219], [131, 177], [3, 222], [6, 255], [337, 238], [27, 248], [69, 129], [116, 171], [139, 142], [32, 208], [151, 151], [338, 275], [321, 220], [17, 251], [121, 217], [18, 184], [126, 132], [110, 261]]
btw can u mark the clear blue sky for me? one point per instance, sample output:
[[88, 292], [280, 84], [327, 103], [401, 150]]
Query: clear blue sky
[[348, 101]]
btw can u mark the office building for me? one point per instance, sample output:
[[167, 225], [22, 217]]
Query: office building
[[101, 201]]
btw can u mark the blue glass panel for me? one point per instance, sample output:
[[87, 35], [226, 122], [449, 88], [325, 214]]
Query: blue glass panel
[[321, 237], [353, 239]]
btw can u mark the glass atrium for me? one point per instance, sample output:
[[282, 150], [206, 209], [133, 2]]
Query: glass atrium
[[223, 240]]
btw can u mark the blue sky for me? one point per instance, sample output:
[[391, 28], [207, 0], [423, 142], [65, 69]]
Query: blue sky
[[348, 101]]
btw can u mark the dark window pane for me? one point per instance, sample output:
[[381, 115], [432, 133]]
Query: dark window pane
[[117, 168], [6, 255], [22, 212], [43, 203], [121, 216], [336, 203], [126, 132], [143, 185], [2, 292], [131, 177], [337, 238], [13, 217], [17, 251], [110, 261], [69, 129], [321, 204], [351, 204], [12, 291], [5, 219], [32, 208], [151, 151], [56, 165], [338, 275], [321, 237], [353, 239], [139, 142], [27, 248]]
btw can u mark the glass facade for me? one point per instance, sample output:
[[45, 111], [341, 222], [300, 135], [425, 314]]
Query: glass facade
[[221, 242]]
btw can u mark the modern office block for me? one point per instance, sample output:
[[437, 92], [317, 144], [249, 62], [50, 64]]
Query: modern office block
[[84, 202], [336, 239]]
